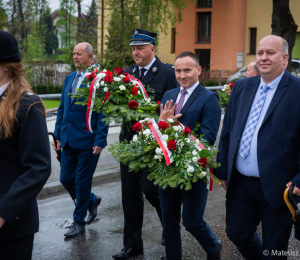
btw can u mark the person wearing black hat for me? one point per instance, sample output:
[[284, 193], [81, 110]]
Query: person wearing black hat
[[160, 77], [24, 154]]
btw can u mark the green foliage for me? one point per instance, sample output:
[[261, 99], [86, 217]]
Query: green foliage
[[3, 16], [51, 39], [35, 45]]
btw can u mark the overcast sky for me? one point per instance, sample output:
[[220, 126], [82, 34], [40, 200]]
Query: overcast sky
[[54, 4]]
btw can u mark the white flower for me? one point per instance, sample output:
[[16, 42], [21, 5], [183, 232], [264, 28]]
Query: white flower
[[188, 140], [117, 79], [158, 150], [135, 137], [195, 159], [176, 135], [195, 153], [122, 87], [147, 132], [97, 85], [139, 92], [155, 157], [190, 169], [104, 70], [148, 100], [203, 174], [165, 137], [122, 76], [101, 75], [170, 120], [102, 83], [197, 141], [105, 89]]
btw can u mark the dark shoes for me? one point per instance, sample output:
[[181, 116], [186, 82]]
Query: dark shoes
[[93, 210], [75, 230], [217, 255], [128, 252]]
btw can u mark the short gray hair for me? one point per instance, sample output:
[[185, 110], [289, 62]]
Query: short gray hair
[[89, 49], [285, 47], [255, 68], [95, 59]]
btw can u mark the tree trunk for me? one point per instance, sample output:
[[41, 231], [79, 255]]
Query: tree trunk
[[78, 36], [123, 51], [13, 26], [283, 25], [22, 21]]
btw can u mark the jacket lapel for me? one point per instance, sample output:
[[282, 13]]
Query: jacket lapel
[[151, 73], [281, 88], [248, 97], [190, 100]]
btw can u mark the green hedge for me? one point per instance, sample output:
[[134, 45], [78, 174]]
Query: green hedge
[[50, 89]]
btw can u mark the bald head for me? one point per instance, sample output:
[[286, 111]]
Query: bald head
[[83, 54], [272, 57], [252, 70]]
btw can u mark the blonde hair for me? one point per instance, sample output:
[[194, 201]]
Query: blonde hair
[[10, 105]]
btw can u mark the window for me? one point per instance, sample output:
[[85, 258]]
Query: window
[[253, 32], [204, 3], [204, 58], [173, 34], [204, 27]]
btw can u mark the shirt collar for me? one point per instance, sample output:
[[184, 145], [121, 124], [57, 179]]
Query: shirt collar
[[149, 65], [191, 89], [3, 88], [273, 84]]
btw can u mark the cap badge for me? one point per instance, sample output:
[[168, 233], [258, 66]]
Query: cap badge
[[154, 69], [136, 32]]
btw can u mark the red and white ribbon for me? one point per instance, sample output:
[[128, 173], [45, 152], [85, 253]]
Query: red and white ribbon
[[140, 84], [162, 144], [89, 110]]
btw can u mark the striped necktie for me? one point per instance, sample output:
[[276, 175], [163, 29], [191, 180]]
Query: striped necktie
[[253, 119], [181, 101], [75, 82]]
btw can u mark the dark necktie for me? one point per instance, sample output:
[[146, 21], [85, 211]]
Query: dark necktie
[[142, 71]]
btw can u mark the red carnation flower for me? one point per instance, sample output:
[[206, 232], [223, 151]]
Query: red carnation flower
[[96, 70], [102, 103], [107, 72], [133, 104], [108, 94], [91, 76], [108, 79], [126, 74], [158, 103], [126, 80], [231, 85], [106, 98], [137, 127], [186, 130], [162, 125], [134, 91], [118, 71], [202, 162], [171, 145]]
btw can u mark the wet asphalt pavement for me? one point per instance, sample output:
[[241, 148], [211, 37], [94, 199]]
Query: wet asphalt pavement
[[103, 237]]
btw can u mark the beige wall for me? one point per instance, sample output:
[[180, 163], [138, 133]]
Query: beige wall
[[105, 23], [259, 15]]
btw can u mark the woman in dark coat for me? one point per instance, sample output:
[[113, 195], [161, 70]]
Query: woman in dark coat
[[25, 163]]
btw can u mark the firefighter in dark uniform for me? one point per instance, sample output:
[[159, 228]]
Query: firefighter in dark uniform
[[160, 77]]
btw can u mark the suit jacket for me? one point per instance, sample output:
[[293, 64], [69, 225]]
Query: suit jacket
[[160, 77], [201, 107], [278, 141], [71, 125], [25, 167]]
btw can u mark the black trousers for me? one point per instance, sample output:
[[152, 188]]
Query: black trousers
[[17, 249], [246, 207], [133, 187]]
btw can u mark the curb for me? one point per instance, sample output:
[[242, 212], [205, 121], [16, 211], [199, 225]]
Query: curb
[[100, 176]]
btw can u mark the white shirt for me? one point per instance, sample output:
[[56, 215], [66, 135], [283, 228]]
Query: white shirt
[[147, 67], [3, 88], [249, 165], [187, 95], [82, 76]]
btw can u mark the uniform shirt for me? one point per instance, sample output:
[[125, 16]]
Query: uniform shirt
[[147, 67], [3, 88], [249, 165], [187, 95]]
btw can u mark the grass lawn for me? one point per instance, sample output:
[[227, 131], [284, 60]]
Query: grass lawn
[[51, 103]]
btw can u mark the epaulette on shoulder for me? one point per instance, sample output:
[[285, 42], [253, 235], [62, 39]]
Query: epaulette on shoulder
[[129, 67], [31, 96], [171, 66]]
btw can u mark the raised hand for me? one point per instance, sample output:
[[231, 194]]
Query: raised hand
[[168, 112]]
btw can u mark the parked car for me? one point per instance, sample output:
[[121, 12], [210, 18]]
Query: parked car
[[242, 73]]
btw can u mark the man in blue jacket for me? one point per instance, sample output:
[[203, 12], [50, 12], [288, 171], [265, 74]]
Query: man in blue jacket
[[81, 148], [260, 153], [195, 105]]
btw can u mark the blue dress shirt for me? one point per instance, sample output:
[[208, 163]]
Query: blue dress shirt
[[249, 165]]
